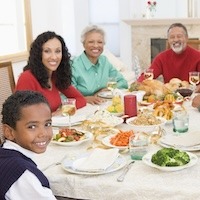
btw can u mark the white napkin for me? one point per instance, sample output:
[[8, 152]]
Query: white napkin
[[98, 160], [186, 140], [63, 121]]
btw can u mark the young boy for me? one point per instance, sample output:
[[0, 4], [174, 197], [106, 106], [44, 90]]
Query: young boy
[[26, 119]]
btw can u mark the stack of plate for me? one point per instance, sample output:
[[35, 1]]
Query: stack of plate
[[188, 142], [99, 161]]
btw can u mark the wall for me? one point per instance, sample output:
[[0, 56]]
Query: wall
[[69, 17]]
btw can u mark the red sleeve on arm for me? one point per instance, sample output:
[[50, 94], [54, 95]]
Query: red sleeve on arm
[[72, 92], [141, 78]]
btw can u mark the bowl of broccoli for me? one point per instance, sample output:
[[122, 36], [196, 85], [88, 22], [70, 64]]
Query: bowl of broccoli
[[170, 159]]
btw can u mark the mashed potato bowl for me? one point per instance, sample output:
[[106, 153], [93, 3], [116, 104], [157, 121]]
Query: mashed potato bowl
[[145, 127]]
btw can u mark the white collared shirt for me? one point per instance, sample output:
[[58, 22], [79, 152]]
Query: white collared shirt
[[28, 185]]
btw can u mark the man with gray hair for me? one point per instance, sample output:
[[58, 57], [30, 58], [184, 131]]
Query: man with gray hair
[[177, 61]]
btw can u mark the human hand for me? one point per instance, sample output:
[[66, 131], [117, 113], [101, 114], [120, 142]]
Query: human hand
[[196, 101], [94, 100], [197, 88]]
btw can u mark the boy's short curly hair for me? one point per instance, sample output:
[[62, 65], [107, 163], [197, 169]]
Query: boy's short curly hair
[[11, 111]]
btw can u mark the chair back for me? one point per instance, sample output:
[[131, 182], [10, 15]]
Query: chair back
[[7, 86], [195, 43]]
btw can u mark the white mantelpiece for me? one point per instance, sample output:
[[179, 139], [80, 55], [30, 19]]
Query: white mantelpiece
[[143, 30]]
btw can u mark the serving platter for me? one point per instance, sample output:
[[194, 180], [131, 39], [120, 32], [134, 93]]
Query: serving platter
[[147, 160], [69, 165], [106, 142], [88, 136]]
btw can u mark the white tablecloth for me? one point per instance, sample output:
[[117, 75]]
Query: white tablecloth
[[141, 183]]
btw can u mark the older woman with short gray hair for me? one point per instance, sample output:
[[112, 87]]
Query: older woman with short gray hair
[[91, 70]]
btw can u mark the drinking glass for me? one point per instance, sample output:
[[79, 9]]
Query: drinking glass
[[138, 146], [180, 122], [136, 68], [112, 84], [148, 74], [68, 108], [194, 78]]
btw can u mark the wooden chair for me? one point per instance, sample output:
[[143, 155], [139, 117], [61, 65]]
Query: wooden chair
[[7, 86], [195, 43]]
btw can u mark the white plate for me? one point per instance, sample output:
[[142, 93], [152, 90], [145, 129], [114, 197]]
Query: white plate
[[117, 121], [67, 165], [187, 142], [64, 121], [183, 148], [117, 114], [88, 136], [145, 103], [106, 94], [106, 142], [106, 117], [147, 160]]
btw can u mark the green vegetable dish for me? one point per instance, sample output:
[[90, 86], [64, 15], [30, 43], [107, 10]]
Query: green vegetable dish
[[169, 157]]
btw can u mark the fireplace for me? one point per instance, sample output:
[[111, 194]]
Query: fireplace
[[145, 31], [157, 45]]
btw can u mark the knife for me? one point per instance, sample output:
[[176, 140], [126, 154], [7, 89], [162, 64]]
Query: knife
[[126, 169]]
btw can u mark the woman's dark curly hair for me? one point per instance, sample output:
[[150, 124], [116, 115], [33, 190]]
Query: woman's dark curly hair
[[12, 107], [63, 73]]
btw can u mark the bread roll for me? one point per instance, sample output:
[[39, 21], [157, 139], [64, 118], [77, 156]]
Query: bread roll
[[175, 81], [185, 84]]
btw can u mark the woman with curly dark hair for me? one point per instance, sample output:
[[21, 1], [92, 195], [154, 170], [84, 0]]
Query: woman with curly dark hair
[[49, 71]]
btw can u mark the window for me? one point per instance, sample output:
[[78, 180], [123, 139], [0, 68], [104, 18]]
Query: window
[[15, 29], [106, 14]]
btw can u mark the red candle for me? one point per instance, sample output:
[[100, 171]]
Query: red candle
[[130, 105]]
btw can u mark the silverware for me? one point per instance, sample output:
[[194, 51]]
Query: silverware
[[53, 164], [126, 169]]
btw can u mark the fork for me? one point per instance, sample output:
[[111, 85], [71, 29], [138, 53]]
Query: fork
[[126, 169], [53, 164]]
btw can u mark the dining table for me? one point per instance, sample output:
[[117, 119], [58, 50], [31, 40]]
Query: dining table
[[142, 182]]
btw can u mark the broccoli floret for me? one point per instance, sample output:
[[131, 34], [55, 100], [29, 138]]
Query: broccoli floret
[[172, 163], [170, 157], [159, 159], [182, 157]]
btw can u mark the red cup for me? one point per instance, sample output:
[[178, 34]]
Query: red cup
[[130, 105]]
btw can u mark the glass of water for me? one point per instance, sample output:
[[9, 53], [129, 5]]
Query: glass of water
[[138, 146], [180, 122]]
